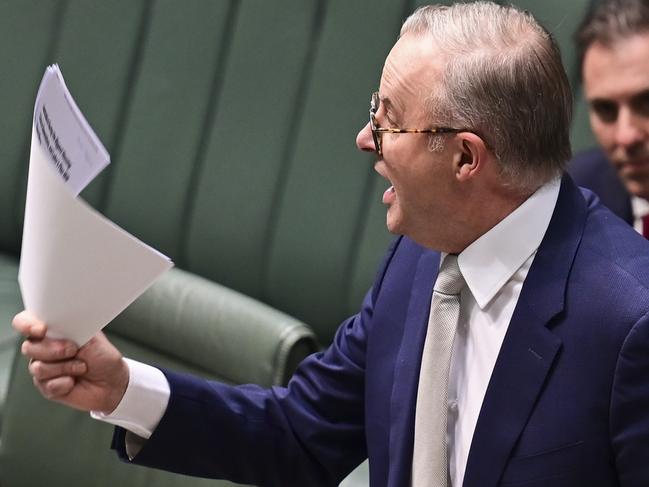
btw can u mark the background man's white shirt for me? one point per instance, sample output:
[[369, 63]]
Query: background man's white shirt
[[639, 208]]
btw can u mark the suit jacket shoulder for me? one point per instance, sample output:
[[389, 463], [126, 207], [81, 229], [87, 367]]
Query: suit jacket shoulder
[[592, 170], [571, 372]]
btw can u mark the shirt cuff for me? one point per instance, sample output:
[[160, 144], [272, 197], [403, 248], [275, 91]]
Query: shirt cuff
[[144, 402]]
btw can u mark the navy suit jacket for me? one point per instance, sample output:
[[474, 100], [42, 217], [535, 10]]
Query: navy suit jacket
[[592, 169], [567, 403]]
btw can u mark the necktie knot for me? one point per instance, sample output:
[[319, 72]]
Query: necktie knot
[[449, 280]]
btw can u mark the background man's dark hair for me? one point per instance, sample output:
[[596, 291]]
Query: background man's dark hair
[[611, 20]]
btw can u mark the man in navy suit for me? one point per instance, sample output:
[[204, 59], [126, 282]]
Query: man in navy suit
[[548, 376], [613, 43]]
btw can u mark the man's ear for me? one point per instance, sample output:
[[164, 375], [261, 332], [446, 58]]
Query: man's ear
[[470, 156]]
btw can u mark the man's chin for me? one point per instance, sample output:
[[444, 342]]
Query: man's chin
[[393, 221], [392, 228]]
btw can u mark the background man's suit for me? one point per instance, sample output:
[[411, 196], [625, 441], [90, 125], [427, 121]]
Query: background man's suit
[[567, 404], [592, 169]]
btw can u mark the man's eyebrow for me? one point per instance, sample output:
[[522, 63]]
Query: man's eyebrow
[[601, 101], [387, 102], [389, 106], [641, 96]]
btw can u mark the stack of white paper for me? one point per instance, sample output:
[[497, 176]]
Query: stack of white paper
[[78, 270]]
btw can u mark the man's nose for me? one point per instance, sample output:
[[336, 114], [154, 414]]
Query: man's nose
[[364, 140], [628, 130]]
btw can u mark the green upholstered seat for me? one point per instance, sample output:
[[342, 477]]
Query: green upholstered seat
[[10, 304], [183, 322]]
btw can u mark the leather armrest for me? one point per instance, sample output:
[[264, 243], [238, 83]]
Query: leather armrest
[[216, 329]]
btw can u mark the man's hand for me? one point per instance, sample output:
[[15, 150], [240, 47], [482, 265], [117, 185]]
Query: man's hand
[[91, 378]]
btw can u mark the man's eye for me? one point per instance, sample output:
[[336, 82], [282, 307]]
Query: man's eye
[[390, 119], [606, 111], [384, 119], [640, 104]]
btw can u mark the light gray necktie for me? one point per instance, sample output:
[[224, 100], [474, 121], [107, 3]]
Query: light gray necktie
[[430, 456]]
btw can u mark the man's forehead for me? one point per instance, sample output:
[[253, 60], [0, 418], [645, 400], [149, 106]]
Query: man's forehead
[[411, 65], [619, 69], [414, 53], [624, 50]]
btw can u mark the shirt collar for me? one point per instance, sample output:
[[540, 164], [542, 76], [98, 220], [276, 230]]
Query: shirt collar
[[489, 262], [639, 207]]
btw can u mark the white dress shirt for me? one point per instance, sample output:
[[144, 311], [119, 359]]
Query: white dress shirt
[[639, 208], [144, 402], [494, 268]]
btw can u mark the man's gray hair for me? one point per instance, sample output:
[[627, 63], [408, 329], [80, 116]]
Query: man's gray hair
[[502, 79], [610, 21]]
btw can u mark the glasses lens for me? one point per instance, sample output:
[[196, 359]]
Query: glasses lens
[[374, 107], [375, 102], [376, 136]]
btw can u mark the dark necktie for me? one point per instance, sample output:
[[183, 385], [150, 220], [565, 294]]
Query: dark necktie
[[645, 226]]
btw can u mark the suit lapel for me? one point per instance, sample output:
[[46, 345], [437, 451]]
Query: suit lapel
[[406, 375], [529, 347]]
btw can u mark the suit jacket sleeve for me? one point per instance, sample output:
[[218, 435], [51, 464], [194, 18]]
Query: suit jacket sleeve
[[630, 407], [309, 433]]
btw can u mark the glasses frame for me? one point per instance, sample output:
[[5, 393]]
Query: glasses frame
[[378, 131]]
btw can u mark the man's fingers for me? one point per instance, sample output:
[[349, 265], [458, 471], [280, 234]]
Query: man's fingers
[[55, 388], [48, 350], [28, 325], [44, 371]]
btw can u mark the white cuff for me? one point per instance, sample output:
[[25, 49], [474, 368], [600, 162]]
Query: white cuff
[[144, 402]]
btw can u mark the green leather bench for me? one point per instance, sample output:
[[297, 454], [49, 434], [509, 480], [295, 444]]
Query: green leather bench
[[183, 322], [231, 128]]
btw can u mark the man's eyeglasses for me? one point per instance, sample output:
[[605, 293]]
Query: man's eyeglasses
[[375, 103]]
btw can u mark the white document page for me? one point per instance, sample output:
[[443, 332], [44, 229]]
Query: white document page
[[78, 270], [72, 147]]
